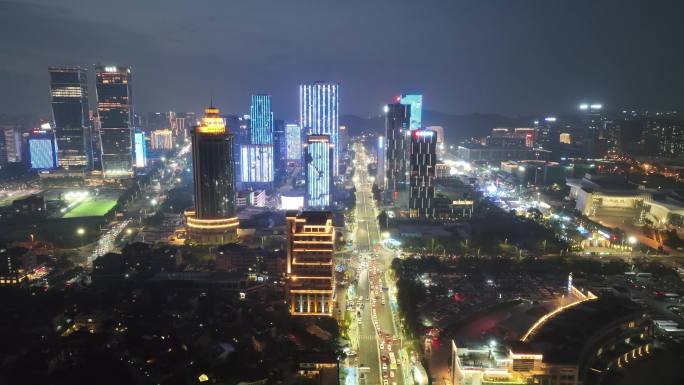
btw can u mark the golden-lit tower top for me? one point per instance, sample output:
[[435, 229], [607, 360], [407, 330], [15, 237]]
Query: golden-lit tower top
[[212, 123]]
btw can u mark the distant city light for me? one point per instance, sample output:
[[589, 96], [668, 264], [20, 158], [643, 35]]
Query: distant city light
[[584, 106], [550, 119]]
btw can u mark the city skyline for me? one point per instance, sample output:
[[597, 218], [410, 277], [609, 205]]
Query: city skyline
[[478, 72]]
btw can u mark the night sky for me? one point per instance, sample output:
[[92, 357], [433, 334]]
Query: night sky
[[509, 57]]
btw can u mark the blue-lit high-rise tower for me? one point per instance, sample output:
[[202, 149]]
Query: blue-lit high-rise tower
[[415, 101], [318, 158], [319, 113], [261, 130]]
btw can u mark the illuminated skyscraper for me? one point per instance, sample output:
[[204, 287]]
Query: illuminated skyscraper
[[318, 158], [422, 161], [13, 148], [115, 115], [213, 221], [397, 118], [319, 113], [294, 142], [595, 137], [279, 149], [415, 101], [261, 120], [546, 135], [42, 149], [380, 172], [310, 245], [256, 163], [69, 99]]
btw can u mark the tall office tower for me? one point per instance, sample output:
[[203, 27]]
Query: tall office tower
[[294, 142], [319, 113], [318, 159], [140, 150], [380, 171], [546, 134], [416, 103], [669, 138], [310, 245], [115, 114], [261, 120], [213, 221], [159, 120], [161, 140], [13, 144], [422, 161], [592, 125], [279, 149], [70, 113], [343, 134], [3, 149], [42, 149], [397, 119], [256, 164]]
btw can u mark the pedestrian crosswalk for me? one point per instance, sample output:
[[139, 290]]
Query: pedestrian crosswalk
[[367, 337]]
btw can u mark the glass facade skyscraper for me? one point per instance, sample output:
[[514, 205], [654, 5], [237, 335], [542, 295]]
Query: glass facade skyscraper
[[422, 161], [319, 113], [415, 101], [213, 221], [69, 100], [115, 115], [318, 158], [397, 118], [261, 131]]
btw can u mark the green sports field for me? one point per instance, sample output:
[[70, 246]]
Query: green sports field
[[91, 208]]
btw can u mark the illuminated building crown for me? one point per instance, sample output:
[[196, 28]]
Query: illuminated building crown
[[212, 123]]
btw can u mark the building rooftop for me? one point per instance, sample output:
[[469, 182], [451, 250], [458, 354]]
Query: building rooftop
[[316, 217], [563, 338]]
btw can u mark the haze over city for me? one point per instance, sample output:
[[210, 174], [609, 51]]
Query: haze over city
[[508, 57]]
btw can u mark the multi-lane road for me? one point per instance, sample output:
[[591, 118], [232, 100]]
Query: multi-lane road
[[374, 332]]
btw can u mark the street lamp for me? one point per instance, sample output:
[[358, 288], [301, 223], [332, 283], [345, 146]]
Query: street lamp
[[80, 232]]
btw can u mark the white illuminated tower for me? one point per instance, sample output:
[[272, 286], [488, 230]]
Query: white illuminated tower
[[319, 113]]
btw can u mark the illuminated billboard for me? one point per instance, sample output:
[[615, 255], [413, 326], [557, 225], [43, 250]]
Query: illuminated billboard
[[140, 150], [291, 202], [42, 150]]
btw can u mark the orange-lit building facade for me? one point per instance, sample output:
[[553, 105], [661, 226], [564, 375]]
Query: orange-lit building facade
[[310, 245]]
